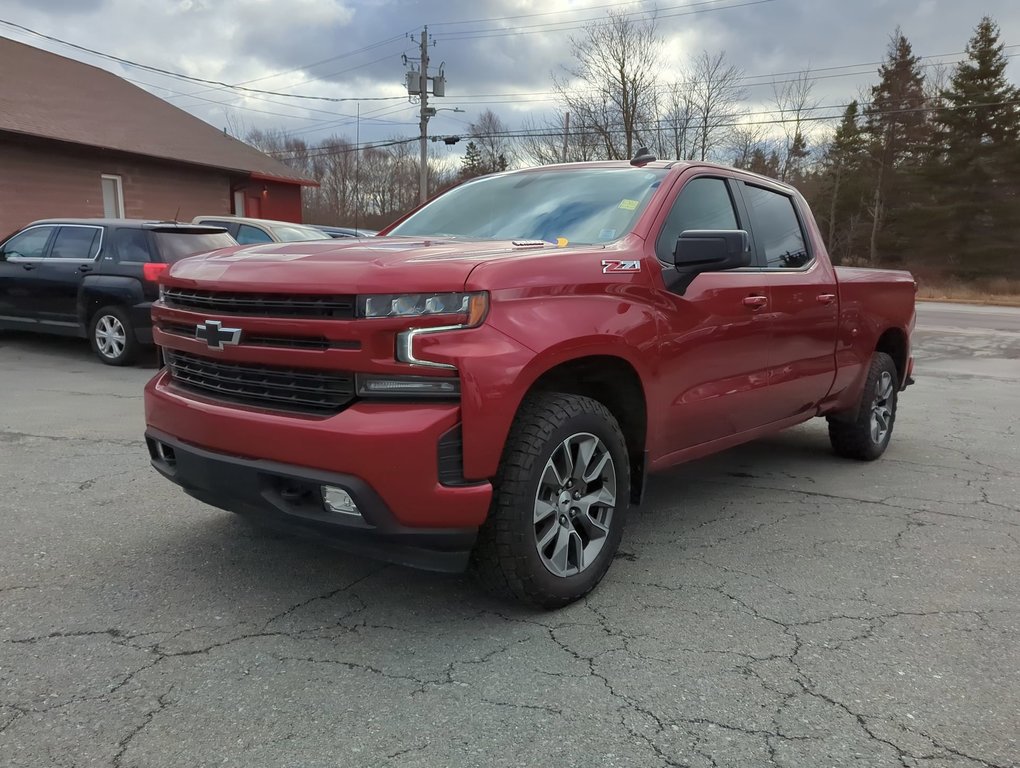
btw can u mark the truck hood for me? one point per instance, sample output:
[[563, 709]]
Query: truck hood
[[372, 265]]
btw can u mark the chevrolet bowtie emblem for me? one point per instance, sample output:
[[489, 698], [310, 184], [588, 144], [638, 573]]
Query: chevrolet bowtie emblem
[[215, 335]]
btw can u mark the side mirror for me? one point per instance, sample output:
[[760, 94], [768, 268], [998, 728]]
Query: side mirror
[[699, 250], [704, 250]]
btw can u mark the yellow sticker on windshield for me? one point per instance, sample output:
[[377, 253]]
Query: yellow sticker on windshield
[[629, 205], [561, 242]]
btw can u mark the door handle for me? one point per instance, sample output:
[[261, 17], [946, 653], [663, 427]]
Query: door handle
[[826, 298], [85, 268], [756, 302], [28, 267]]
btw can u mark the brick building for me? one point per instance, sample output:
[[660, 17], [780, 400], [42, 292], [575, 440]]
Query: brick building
[[78, 141]]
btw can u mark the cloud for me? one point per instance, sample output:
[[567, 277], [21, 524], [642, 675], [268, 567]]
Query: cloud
[[353, 48]]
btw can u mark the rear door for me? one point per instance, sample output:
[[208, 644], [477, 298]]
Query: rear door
[[803, 306], [20, 282], [72, 255]]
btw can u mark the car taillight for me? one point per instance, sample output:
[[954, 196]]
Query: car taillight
[[151, 272]]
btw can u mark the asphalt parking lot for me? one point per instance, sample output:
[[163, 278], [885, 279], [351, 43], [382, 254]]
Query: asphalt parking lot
[[772, 605]]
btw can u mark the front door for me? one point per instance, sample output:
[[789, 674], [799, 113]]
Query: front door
[[714, 343], [72, 256], [803, 305], [20, 282]]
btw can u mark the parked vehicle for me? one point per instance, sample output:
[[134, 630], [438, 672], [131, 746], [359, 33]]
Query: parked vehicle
[[338, 232], [94, 278], [492, 386], [253, 231]]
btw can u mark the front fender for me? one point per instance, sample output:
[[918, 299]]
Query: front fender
[[524, 338]]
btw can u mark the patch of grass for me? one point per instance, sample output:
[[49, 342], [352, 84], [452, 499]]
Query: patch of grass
[[995, 290]]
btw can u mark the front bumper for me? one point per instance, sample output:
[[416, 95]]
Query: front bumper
[[286, 497], [384, 454]]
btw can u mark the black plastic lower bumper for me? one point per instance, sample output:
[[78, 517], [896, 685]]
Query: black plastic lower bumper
[[289, 498]]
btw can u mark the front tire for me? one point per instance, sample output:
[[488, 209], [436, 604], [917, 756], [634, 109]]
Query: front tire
[[559, 503], [868, 435], [113, 336]]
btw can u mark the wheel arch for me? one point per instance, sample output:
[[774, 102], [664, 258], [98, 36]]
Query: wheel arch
[[614, 382], [893, 342]]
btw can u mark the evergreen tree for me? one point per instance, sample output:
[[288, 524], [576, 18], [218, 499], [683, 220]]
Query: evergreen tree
[[845, 183], [899, 130], [976, 163], [472, 165]]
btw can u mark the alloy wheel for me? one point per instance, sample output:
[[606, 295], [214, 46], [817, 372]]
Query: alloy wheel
[[574, 504], [882, 408]]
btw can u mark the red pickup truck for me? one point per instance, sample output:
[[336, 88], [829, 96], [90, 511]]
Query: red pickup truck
[[490, 382]]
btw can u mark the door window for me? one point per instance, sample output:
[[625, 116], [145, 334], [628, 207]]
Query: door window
[[777, 229], [703, 203], [78, 243], [247, 235], [30, 244], [131, 245]]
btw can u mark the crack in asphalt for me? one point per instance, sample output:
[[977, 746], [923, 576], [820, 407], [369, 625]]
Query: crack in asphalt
[[162, 702], [7, 436], [408, 751]]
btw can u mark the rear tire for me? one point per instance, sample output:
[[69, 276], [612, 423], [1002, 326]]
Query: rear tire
[[559, 502], [113, 336], [868, 435]]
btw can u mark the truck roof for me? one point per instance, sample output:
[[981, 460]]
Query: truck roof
[[658, 164]]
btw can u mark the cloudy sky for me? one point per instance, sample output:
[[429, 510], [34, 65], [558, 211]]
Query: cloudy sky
[[498, 54]]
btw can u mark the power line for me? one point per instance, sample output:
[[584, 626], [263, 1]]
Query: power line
[[560, 13], [303, 82], [516, 97], [181, 76], [651, 127], [559, 25]]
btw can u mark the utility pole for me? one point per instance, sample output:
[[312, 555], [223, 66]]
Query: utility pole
[[566, 134], [418, 85], [423, 177]]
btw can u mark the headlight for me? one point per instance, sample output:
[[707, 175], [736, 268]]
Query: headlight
[[471, 306]]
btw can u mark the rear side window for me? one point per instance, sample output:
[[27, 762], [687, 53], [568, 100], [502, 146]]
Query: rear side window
[[79, 243], [703, 203], [30, 244], [131, 245], [247, 235], [298, 234], [777, 229], [174, 246]]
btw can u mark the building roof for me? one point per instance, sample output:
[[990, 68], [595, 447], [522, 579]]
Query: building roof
[[53, 97]]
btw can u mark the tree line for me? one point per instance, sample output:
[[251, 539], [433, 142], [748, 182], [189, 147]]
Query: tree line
[[922, 169]]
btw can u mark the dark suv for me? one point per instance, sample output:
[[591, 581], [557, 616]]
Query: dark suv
[[94, 278]]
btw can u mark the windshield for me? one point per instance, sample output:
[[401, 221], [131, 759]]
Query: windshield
[[583, 205], [290, 234], [174, 246]]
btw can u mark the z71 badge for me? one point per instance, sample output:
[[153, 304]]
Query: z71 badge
[[612, 266]]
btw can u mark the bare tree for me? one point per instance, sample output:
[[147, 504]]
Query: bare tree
[[676, 122], [794, 101], [489, 134], [748, 143], [610, 89], [541, 143], [715, 92]]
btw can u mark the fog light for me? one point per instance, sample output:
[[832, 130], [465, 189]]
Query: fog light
[[338, 500]]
